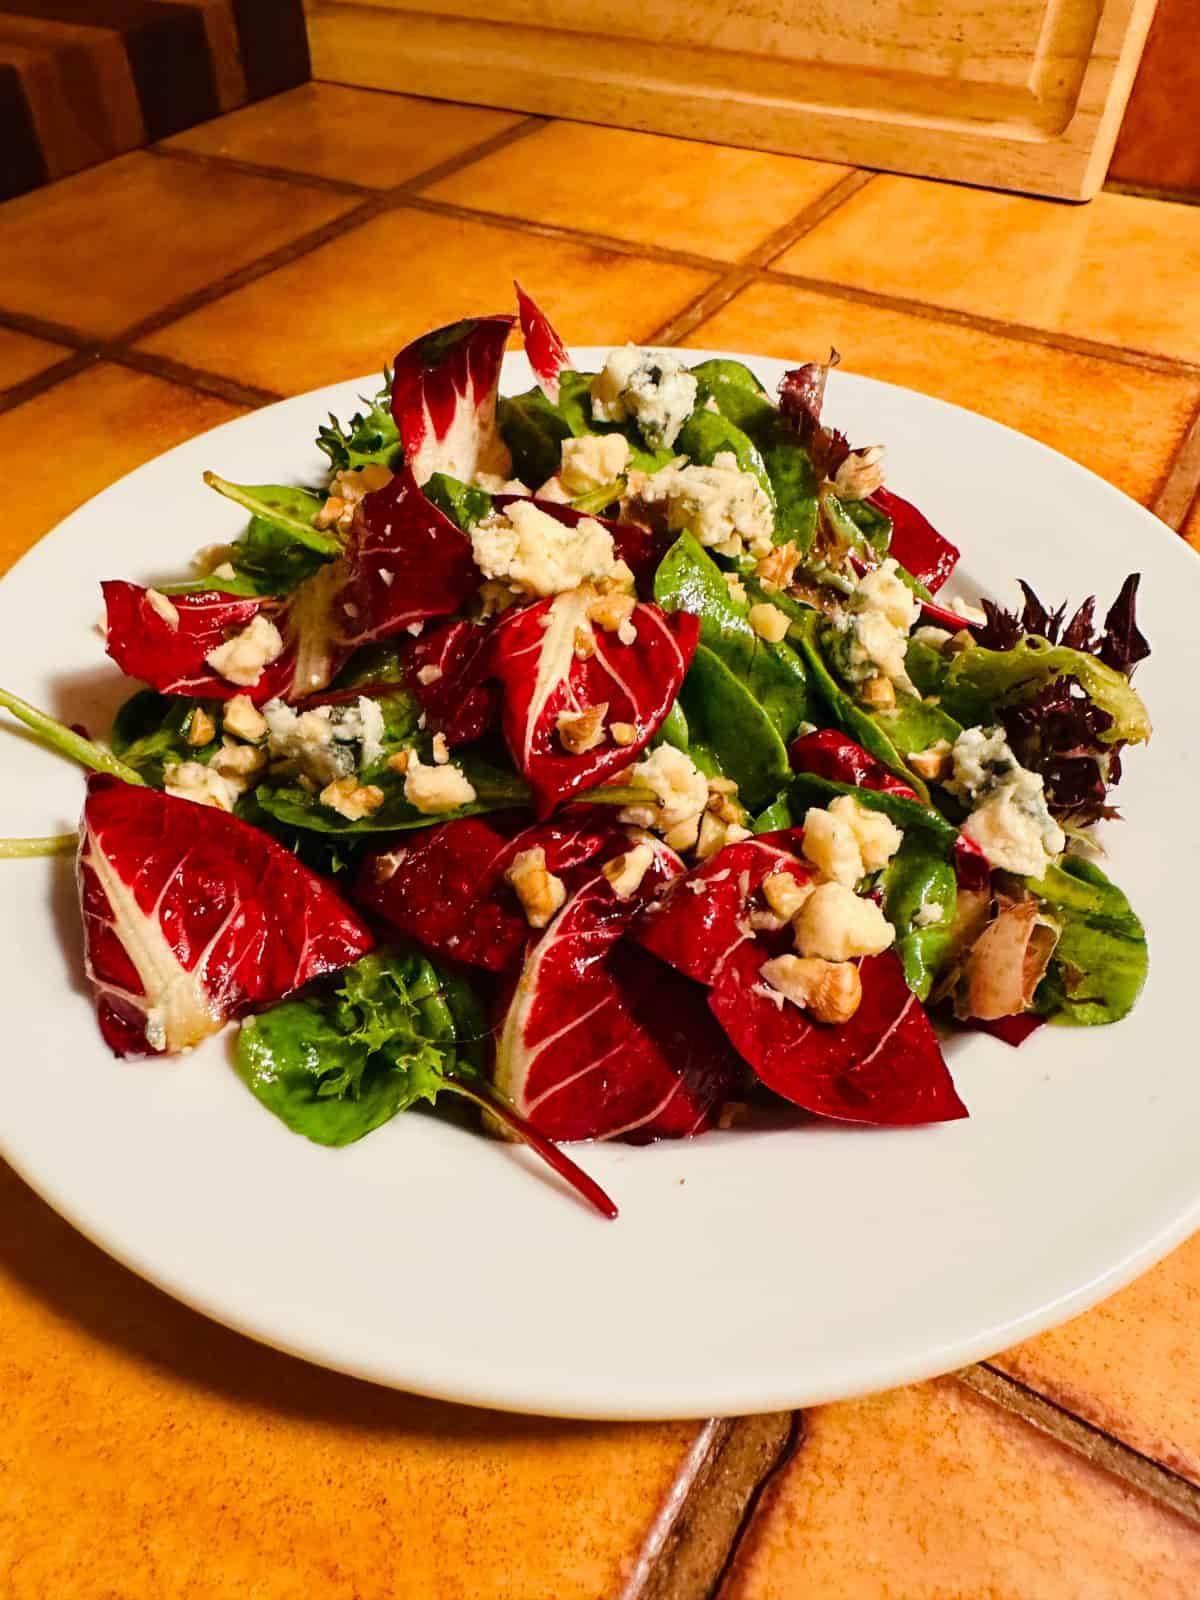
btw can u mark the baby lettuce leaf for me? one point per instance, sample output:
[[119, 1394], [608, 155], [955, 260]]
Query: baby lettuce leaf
[[150, 732], [689, 580], [979, 684], [370, 437], [383, 1035], [729, 732], [919, 879], [461, 502], [847, 714], [1099, 964], [913, 724], [495, 790], [707, 434], [280, 547], [734, 390]]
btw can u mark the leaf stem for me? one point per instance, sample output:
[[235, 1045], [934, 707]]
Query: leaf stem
[[301, 531], [488, 1098], [59, 737], [53, 844]]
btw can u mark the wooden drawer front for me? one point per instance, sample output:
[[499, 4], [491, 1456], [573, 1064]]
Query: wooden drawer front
[[1026, 95]]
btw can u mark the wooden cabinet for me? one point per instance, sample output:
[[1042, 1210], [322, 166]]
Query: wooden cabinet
[[1020, 94]]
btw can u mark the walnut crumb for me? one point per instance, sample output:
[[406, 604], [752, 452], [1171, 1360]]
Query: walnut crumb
[[579, 731], [622, 733], [351, 799], [541, 893]]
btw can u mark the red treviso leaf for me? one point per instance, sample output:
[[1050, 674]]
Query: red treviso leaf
[[192, 917], [444, 388], [916, 543], [835, 756], [546, 351]]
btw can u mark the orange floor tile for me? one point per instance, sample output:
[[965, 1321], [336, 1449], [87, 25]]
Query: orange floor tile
[[931, 1493], [99, 251], [1072, 269], [352, 135], [1067, 401], [118, 419], [697, 197], [360, 298], [145, 1451]]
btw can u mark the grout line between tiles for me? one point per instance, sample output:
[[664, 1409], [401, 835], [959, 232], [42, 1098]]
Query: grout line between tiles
[[39, 328], [809, 218], [18, 393], [709, 301], [1159, 1483], [708, 1506], [476, 152], [178, 372], [1182, 480], [1125, 355], [260, 169]]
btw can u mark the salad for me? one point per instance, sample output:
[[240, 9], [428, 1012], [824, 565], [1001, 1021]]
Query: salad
[[600, 758]]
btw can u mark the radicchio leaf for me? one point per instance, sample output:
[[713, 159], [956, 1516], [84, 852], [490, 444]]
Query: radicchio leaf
[[883, 1067], [801, 397], [539, 656], [547, 353], [834, 755], [192, 917], [444, 389], [704, 917], [598, 1043], [1123, 645], [459, 702], [405, 563], [447, 888], [916, 544]]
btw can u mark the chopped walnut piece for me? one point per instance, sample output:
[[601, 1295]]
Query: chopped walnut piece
[[582, 730], [399, 761], [769, 622], [541, 894], [879, 692], [351, 799], [201, 728], [777, 569], [243, 718], [441, 750], [737, 589], [165, 608], [611, 608], [625, 872], [622, 733], [934, 761], [784, 894], [429, 674], [831, 991], [345, 492], [585, 644], [712, 837], [860, 474], [684, 834]]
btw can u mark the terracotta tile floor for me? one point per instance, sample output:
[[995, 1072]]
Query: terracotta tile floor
[[145, 1452]]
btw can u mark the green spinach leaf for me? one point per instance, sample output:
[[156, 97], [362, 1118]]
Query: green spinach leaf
[[707, 434], [689, 580], [151, 730], [919, 898], [465, 505], [729, 732]]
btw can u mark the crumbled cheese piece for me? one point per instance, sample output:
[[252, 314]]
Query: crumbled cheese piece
[[934, 638], [532, 552], [192, 780], [769, 622], [626, 632], [243, 718], [873, 629], [877, 836], [830, 990], [785, 894], [593, 461], [1010, 821], [860, 474], [737, 589], [837, 925], [207, 560], [934, 761], [679, 785], [350, 799], [653, 387], [622, 733], [428, 674], [318, 744], [497, 483], [436, 788], [540, 892], [164, 608], [244, 657], [831, 846], [625, 873], [580, 731], [927, 913], [441, 750], [555, 491], [725, 508]]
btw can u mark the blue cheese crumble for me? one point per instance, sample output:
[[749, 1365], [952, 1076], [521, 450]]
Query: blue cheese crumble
[[1009, 819], [654, 388]]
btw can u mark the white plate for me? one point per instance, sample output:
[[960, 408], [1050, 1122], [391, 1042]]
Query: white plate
[[748, 1270]]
